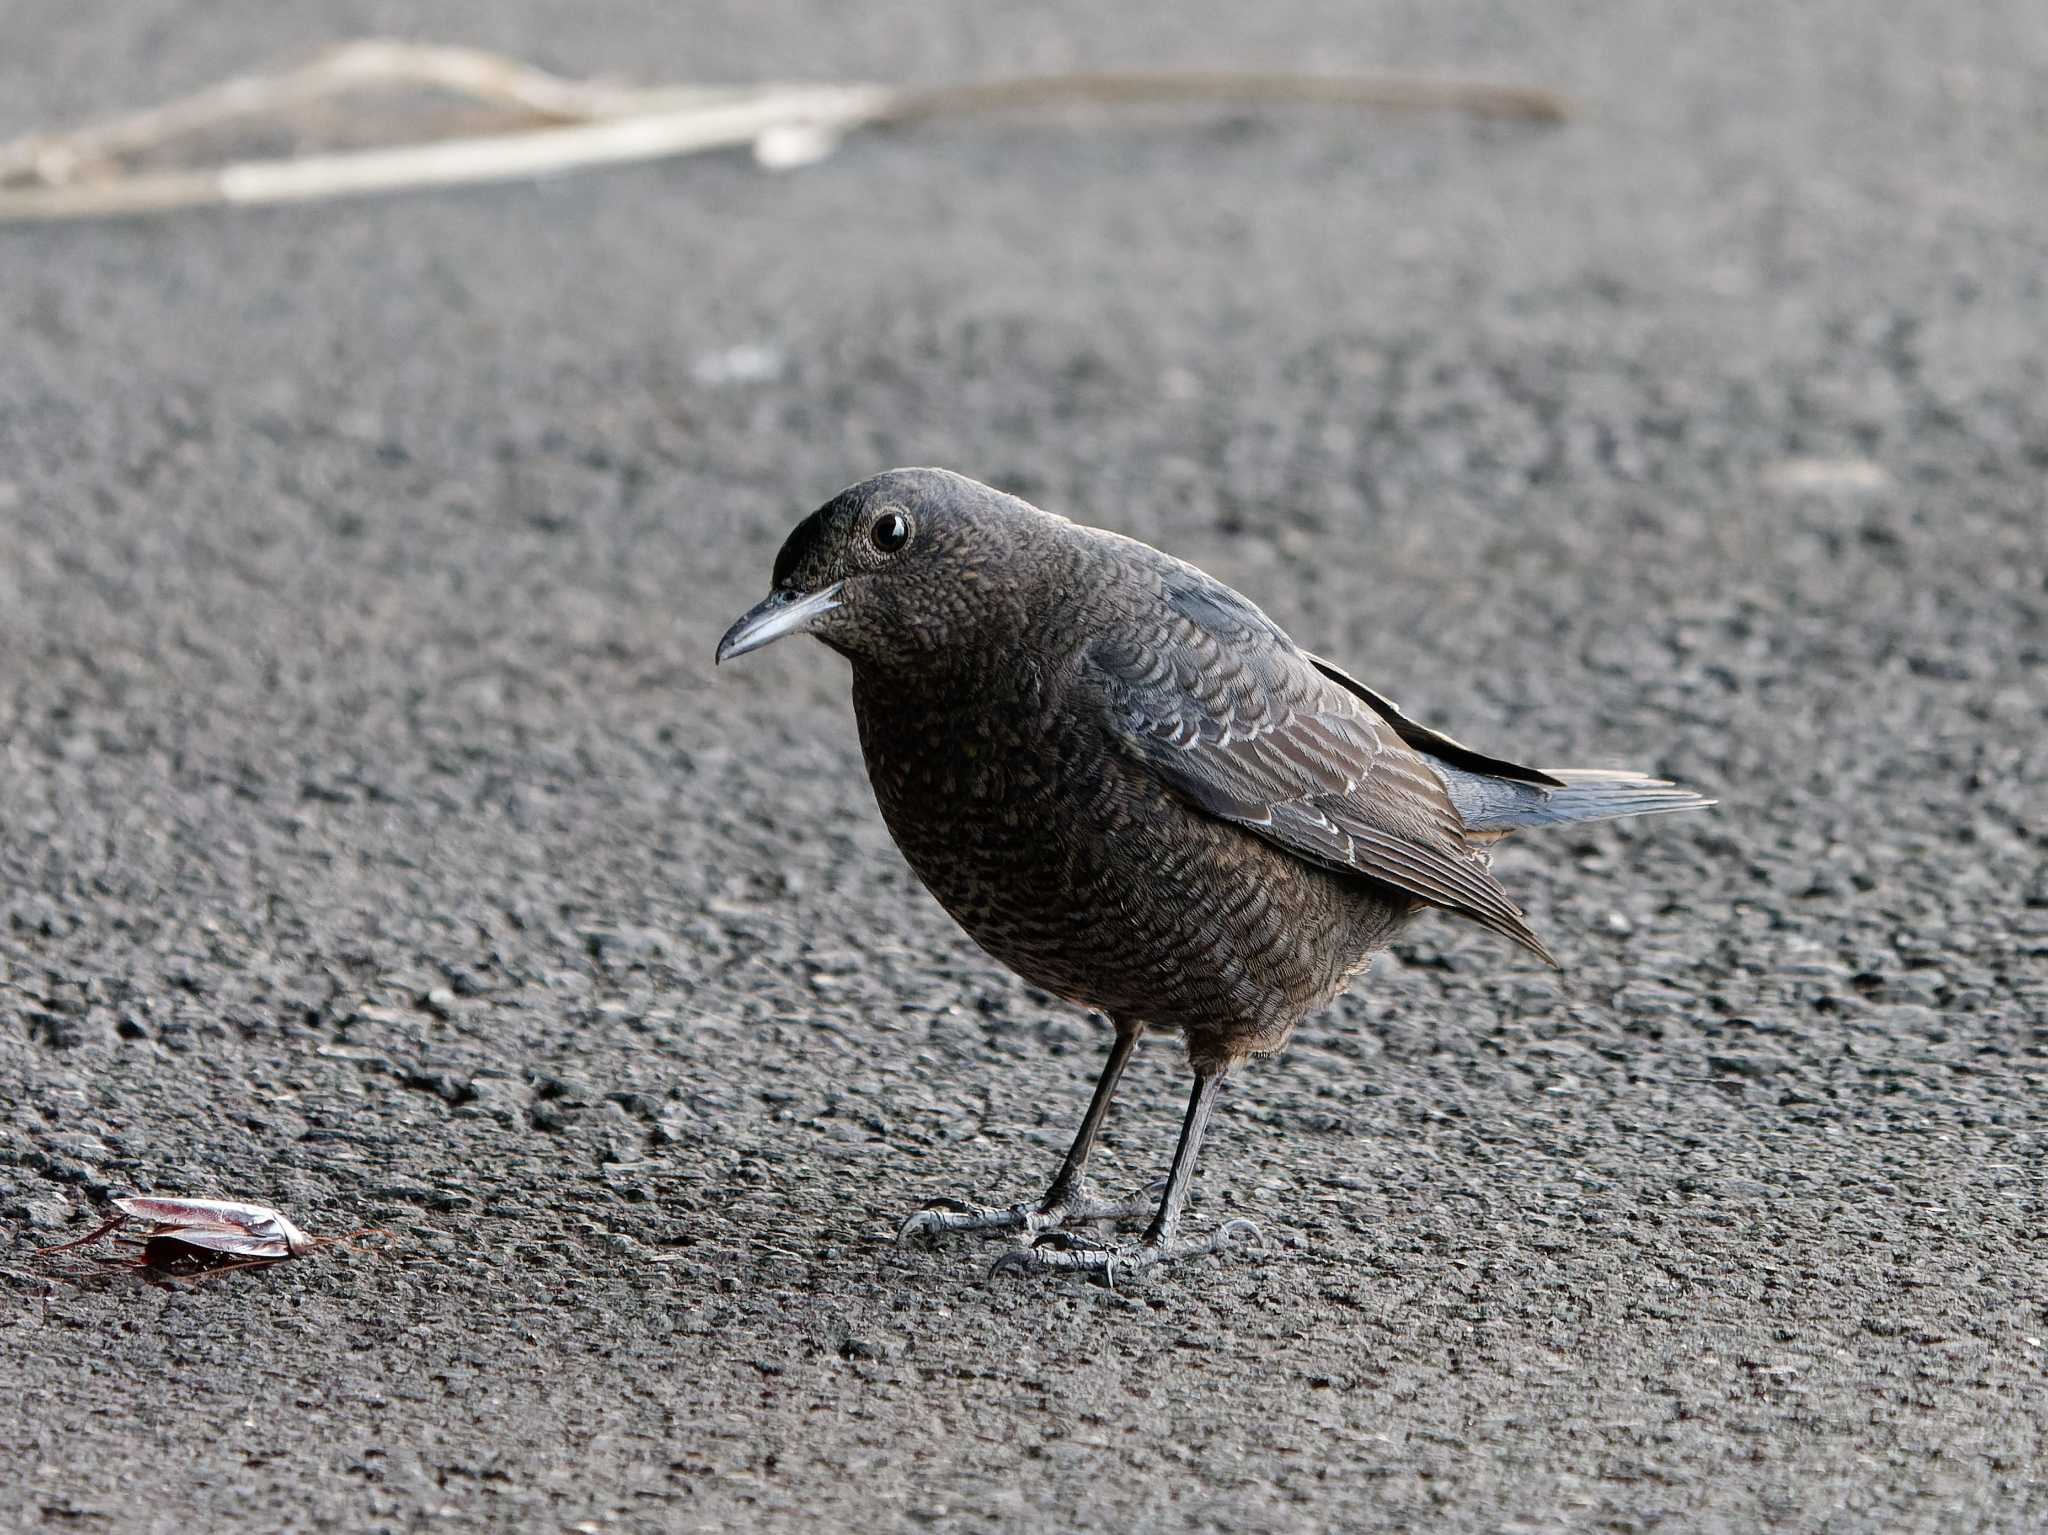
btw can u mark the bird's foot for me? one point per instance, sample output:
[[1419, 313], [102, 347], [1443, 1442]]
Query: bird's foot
[[1056, 1252], [940, 1217]]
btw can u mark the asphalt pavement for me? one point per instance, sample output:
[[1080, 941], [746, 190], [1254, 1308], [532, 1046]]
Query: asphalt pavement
[[377, 840]]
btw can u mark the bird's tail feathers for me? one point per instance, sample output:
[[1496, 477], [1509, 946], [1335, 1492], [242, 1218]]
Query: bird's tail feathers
[[1601, 794], [1489, 804]]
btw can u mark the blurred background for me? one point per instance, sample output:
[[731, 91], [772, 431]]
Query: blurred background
[[376, 840]]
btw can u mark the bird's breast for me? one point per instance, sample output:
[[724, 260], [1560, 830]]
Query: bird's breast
[[1067, 861], [974, 787], [1013, 814]]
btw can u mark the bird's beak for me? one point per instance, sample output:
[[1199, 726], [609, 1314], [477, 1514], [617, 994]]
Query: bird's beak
[[777, 614]]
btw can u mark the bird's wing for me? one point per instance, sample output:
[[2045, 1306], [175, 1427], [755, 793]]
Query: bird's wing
[[1215, 700], [1434, 742]]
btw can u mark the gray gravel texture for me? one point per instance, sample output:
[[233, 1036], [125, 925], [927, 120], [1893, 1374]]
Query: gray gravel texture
[[376, 839]]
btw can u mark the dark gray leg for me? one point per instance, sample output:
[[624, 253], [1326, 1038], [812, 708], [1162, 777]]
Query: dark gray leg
[[1059, 1252], [1069, 1181], [1201, 1103], [1068, 1200]]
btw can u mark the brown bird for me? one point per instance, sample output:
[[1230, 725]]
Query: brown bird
[[1131, 787]]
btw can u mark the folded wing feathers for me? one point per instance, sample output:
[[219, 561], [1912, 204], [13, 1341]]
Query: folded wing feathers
[[1333, 787]]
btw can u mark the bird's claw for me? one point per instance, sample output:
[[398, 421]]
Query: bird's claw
[[1240, 1231], [1074, 1206], [1060, 1252], [1013, 1260], [938, 1216]]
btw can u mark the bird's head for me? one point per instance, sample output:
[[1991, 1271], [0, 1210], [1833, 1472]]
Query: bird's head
[[899, 571]]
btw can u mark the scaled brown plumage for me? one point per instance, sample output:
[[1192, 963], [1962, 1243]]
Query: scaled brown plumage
[[1130, 786]]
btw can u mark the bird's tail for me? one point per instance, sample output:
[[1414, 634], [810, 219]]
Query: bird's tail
[[1490, 804]]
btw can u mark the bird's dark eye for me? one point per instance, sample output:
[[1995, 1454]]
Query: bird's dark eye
[[890, 532]]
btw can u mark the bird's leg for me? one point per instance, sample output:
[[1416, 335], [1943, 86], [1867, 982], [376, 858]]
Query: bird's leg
[[1057, 1251], [1069, 1184], [1068, 1199]]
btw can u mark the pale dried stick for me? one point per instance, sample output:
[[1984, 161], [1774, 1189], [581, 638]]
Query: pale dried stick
[[598, 124], [371, 63], [450, 162], [1420, 93]]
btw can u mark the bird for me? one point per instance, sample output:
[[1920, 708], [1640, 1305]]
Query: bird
[[1130, 786]]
